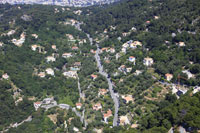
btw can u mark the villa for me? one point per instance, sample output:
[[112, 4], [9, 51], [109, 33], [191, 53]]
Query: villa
[[148, 61], [107, 115], [50, 71], [97, 106]]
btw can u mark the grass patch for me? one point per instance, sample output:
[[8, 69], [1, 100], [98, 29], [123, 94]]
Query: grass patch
[[66, 100]]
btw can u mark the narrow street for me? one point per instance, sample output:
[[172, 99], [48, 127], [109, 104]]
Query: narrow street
[[114, 97]]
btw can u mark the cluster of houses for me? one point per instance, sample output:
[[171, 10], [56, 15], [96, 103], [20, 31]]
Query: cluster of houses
[[48, 71], [46, 103], [72, 73], [11, 32], [40, 48], [107, 49], [125, 69], [130, 44]]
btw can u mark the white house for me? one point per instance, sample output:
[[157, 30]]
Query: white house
[[35, 36], [1, 44], [129, 69], [135, 44], [132, 59], [71, 74], [50, 71], [196, 89], [41, 74], [37, 105], [188, 73], [34, 47], [67, 55], [78, 105], [168, 76], [181, 44], [124, 120], [11, 32], [50, 59], [148, 61], [5, 76], [112, 50], [123, 50], [125, 45]]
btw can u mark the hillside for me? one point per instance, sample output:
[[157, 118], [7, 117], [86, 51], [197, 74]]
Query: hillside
[[133, 66]]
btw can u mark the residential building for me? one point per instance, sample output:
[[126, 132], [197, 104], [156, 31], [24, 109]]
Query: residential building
[[34, 47], [11, 32], [137, 72], [53, 47], [97, 106], [135, 44], [94, 76], [70, 36], [168, 76], [50, 59], [112, 50], [37, 105], [19, 42], [196, 89], [48, 100], [124, 50], [181, 44], [125, 45], [77, 64], [134, 125], [156, 17], [5, 76], [148, 61], [74, 48], [132, 59], [122, 68], [129, 69], [42, 74], [188, 73], [70, 74], [78, 105], [128, 98], [124, 120], [50, 71], [107, 115], [67, 55], [1, 44], [102, 92], [35, 36]]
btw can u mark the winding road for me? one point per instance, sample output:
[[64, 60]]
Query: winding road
[[114, 97]]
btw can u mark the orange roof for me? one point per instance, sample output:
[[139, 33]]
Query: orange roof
[[94, 76], [128, 98], [103, 91], [74, 47], [108, 114], [168, 75], [131, 57], [78, 104], [147, 22], [37, 102]]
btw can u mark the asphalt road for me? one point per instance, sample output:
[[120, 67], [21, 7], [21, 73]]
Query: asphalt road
[[114, 97]]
